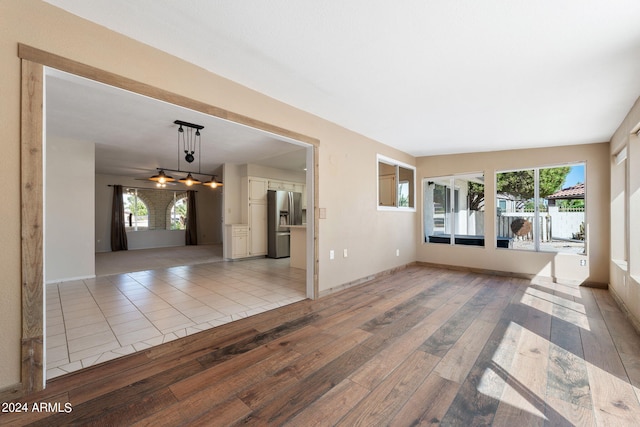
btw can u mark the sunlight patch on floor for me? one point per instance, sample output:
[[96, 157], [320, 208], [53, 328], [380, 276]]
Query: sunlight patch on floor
[[561, 308]]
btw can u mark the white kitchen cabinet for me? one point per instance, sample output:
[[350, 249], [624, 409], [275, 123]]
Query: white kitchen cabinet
[[257, 229], [257, 190], [281, 185], [238, 235]]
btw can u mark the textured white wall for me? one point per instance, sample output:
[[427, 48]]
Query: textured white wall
[[69, 210]]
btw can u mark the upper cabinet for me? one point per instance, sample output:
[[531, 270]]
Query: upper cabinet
[[257, 190], [297, 187], [281, 185]]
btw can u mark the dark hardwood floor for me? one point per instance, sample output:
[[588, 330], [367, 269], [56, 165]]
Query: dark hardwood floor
[[424, 346]]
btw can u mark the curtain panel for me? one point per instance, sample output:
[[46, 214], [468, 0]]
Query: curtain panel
[[191, 229], [118, 233]]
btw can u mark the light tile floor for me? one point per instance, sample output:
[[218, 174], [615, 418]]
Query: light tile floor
[[92, 321]]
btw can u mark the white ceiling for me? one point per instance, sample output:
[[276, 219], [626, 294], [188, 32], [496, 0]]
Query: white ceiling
[[134, 134], [425, 76]]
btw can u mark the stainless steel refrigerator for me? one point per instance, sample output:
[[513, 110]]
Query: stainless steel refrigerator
[[283, 208]]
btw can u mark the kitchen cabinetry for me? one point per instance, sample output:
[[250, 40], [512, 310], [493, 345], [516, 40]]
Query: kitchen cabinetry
[[257, 190], [290, 186], [281, 185], [257, 229], [250, 238], [238, 235], [257, 215]]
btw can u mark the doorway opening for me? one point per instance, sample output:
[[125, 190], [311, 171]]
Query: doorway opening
[[34, 272]]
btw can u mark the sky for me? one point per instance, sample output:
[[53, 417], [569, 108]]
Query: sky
[[576, 175]]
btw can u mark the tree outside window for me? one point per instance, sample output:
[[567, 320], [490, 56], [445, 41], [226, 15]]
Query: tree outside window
[[179, 214], [136, 211], [532, 209]]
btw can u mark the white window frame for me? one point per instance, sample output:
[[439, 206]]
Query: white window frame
[[536, 208], [452, 204], [396, 164]]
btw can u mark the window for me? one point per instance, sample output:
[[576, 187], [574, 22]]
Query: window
[[454, 206], [178, 212], [396, 185], [542, 209], [135, 211], [619, 208], [154, 209]]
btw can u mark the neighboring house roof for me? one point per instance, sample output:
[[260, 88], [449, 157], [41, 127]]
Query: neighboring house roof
[[575, 192]]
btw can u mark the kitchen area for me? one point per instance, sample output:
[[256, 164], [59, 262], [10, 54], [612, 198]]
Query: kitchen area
[[272, 220], [286, 231]]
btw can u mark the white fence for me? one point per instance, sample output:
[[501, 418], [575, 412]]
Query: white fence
[[553, 224]]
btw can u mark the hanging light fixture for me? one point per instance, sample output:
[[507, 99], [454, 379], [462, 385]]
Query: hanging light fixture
[[188, 141], [213, 182], [189, 138], [161, 177], [189, 180]]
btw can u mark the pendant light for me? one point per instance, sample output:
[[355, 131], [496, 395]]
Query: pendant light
[[162, 178], [213, 182], [189, 180]]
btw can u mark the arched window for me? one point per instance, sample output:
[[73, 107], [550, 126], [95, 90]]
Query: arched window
[[135, 210], [177, 211]]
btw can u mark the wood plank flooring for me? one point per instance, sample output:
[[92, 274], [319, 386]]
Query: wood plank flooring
[[424, 346]]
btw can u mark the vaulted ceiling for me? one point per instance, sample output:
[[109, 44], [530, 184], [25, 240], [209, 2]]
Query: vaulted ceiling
[[425, 76]]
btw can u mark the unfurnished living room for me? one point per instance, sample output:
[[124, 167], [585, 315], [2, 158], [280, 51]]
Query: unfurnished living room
[[320, 213]]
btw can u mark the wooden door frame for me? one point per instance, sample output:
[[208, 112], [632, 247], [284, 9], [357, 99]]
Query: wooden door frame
[[32, 198]]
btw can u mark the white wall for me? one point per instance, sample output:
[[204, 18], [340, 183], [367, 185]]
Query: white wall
[[69, 210], [232, 179]]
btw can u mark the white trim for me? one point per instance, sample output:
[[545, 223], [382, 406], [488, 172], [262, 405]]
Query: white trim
[[380, 158], [621, 156]]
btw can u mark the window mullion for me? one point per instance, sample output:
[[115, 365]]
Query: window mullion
[[536, 209], [135, 209], [452, 220], [397, 186]]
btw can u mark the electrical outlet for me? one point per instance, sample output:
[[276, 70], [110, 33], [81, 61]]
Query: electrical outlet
[[397, 252], [583, 262], [344, 253], [332, 254]]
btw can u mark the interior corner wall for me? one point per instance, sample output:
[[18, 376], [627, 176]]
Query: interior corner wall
[[69, 210], [543, 264]]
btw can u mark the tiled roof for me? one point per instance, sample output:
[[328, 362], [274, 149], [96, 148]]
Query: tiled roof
[[575, 192]]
